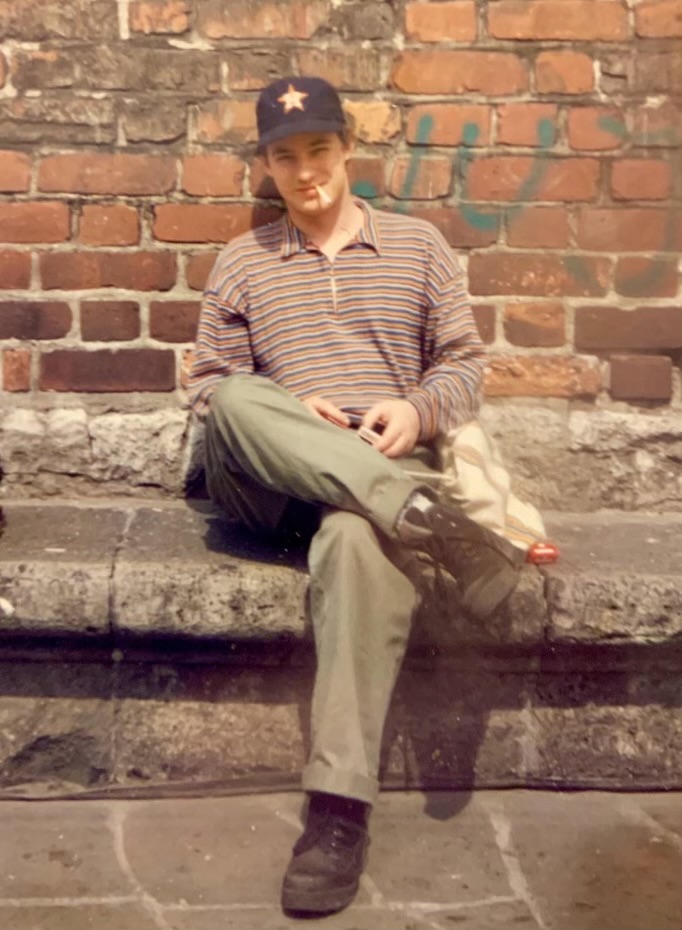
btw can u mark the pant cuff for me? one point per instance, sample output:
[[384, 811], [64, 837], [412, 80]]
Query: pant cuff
[[318, 777]]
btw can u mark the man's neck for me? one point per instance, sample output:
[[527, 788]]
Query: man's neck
[[332, 230]]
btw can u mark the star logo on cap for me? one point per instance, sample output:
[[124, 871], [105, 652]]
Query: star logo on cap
[[292, 100]]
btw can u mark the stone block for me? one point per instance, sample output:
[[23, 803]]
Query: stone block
[[214, 580], [617, 579], [588, 864], [49, 860], [55, 566], [56, 721], [198, 724], [209, 860]]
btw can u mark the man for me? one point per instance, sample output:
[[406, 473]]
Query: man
[[335, 321]]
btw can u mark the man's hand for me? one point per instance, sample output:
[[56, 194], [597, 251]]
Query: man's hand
[[401, 426], [326, 410]]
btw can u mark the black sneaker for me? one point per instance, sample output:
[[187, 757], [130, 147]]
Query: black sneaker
[[485, 566], [327, 862]]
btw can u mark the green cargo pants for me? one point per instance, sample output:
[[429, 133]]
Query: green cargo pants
[[265, 448]]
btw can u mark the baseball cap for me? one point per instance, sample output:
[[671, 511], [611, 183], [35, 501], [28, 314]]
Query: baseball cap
[[297, 104]]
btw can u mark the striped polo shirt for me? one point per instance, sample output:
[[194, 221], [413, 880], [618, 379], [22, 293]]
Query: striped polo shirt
[[388, 317]]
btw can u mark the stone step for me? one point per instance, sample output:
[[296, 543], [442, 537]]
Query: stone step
[[147, 647]]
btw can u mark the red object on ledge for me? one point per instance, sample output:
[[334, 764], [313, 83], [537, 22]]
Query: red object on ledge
[[542, 553]]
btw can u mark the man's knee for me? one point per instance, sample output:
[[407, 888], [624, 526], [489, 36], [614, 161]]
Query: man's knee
[[341, 527], [231, 394]]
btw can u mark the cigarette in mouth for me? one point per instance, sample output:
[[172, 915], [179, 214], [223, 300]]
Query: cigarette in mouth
[[325, 199]]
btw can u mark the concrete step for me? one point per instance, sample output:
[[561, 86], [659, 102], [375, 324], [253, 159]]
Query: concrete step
[[147, 647]]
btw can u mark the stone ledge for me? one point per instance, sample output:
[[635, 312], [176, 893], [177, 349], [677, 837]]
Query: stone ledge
[[179, 569]]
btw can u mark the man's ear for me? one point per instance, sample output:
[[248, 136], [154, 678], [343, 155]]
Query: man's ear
[[348, 145]]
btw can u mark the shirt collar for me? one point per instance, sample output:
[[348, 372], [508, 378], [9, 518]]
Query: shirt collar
[[294, 241]]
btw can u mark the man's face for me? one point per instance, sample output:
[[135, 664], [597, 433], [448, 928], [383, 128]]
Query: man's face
[[301, 163]]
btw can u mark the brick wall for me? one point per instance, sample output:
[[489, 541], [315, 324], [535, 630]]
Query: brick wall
[[543, 137]]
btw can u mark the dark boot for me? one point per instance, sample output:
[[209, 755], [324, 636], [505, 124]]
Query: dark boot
[[324, 872], [485, 566]]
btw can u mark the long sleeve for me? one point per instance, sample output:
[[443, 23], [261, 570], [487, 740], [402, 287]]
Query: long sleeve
[[222, 345], [449, 393]]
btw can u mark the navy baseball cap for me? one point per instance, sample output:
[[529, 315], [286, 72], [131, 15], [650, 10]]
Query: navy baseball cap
[[297, 104]]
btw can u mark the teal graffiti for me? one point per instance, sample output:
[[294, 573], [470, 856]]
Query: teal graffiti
[[481, 220], [365, 189]]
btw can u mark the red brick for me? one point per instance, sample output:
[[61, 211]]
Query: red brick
[[113, 224], [484, 314], [174, 320], [34, 222], [658, 125], [640, 179], [658, 69], [537, 274], [538, 228], [25, 319], [136, 271], [373, 121], [659, 18], [595, 128], [101, 173], [564, 72], [163, 17], [527, 124], [424, 179], [628, 229], [15, 269], [647, 277], [109, 320], [541, 376], [16, 370], [229, 121], [449, 124], [529, 177], [458, 226], [3, 70], [15, 172], [366, 176], [449, 21], [442, 71], [535, 324], [213, 175], [276, 19], [253, 68], [106, 370], [347, 68], [207, 222], [604, 328], [641, 377], [198, 269], [548, 19]]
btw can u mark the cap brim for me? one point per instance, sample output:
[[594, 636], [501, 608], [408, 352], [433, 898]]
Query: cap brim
[[299, 127]]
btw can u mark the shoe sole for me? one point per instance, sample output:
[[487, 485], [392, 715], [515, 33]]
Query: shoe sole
[[309, 901]]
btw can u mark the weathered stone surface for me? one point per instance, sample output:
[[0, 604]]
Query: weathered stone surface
[[583, 461], [110, 449], [618, 579], [227, 874], [591, 863], [55, 567], [213, 579], [56, 721], [78, 860], [191, 724], [139, 448]]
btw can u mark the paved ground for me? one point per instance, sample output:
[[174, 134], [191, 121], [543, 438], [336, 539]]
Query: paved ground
[[495, 859]]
